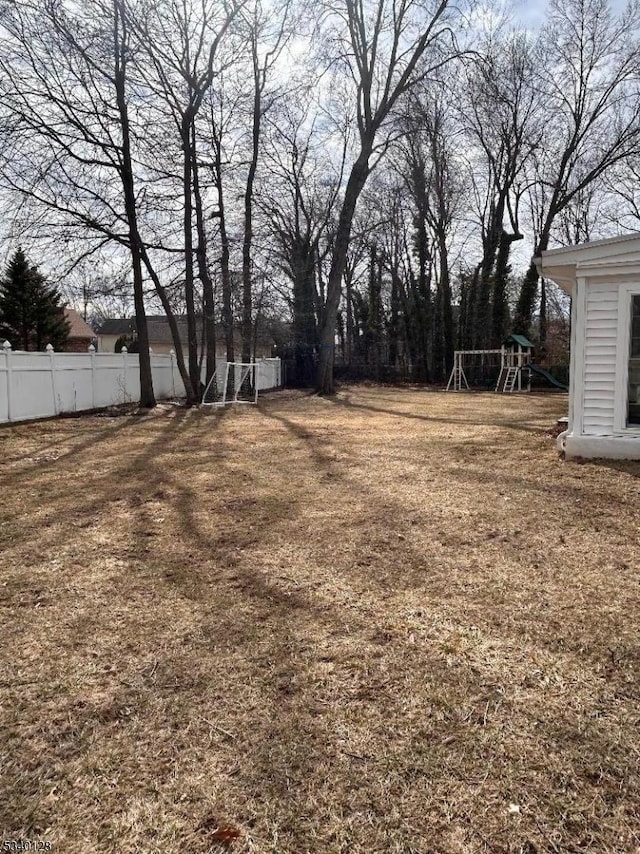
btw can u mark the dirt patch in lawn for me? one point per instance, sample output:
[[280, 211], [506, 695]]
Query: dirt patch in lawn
[[390, 621]]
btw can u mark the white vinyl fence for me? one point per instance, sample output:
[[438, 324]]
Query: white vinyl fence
[[39, 385]]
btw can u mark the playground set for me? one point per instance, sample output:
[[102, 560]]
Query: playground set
[[507, 363]]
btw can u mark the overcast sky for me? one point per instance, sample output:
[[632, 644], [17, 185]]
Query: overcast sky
[[531, 13]]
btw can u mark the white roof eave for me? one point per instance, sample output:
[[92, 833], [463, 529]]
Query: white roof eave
[[613, 256], [564, 275]]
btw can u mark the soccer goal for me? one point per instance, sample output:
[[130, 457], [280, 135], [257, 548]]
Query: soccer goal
[[232, 382]]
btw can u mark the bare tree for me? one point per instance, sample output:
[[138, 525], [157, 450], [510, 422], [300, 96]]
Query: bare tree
[[183, 43], [219, 117], [390, 46], [64, 75], [502, 118], [267, 35], [99, 290], [419, 300], [618, 200], [587, 69], [436, 190], [298, 206]]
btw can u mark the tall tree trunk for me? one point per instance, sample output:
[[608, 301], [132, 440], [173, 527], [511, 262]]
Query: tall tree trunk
[[526, 301], [189, 289], [438, 335], [393, 328], [341, 335], [543, 317], [429, 320], [413, 327], [147, 397], [247, 285], [499, 304], [173, 326], [427, 323], [529, 290], [355, 184], [467, 332], [203, 269], [304, 302], [482, 295], [462, 314], [318, 283], [373, 325], [350, 330], [225, 274], [446, 307]]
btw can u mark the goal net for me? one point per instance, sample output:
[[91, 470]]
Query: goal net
[[232, 382]]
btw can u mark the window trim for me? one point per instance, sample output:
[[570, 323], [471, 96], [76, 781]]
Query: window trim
[[621, 399]]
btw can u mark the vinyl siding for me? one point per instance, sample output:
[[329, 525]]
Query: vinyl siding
[[601, 332]]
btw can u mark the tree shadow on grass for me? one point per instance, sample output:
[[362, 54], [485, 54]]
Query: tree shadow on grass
[[424, 567], [630, 468], [81, 486], [12, 431], [94, 440], [348, 403], [287, 746], [454, 462], [257, 619], [317, 678], [291, 749], [318, 446]]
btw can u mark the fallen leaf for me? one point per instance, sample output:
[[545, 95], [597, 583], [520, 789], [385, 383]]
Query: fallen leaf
[[227, 834]]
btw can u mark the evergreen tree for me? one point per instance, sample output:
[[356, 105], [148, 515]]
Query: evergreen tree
[[30, 312]]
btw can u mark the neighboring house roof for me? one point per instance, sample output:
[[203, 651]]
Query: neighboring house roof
[[78, 327], [117, 326], [160, 333], [518, 339], [157, 328]]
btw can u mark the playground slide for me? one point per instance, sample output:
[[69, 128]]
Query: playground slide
[[548, 377]]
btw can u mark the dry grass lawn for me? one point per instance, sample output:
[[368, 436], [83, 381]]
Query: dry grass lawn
[[393, 621]]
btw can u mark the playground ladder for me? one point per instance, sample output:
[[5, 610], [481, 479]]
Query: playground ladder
[[510, 376], [457, 378]]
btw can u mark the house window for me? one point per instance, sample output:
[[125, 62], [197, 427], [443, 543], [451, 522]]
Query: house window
[[633, 413]]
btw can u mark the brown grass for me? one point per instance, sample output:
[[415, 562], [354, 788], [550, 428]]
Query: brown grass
[[393, 621]]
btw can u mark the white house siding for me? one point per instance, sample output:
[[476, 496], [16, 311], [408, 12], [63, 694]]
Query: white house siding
[[599, 375], [107, 343]]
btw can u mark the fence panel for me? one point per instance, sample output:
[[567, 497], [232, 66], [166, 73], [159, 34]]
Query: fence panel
[[268, 374], [39, 385], [71, 381], [164, 381], [4, 385], [30, 387], [110, 378]]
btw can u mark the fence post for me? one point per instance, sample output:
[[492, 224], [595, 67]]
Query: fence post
[[6, 348], [172, 353], [92, 354], [52, 368], [124, 352]]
